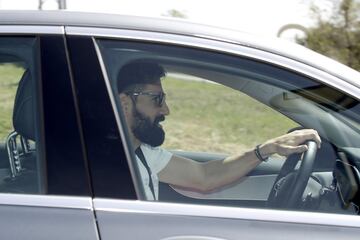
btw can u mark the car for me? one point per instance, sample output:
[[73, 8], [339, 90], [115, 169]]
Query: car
[[67, 167]]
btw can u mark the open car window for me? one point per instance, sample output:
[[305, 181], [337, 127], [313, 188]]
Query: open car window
[[221, 104], [219, 114]]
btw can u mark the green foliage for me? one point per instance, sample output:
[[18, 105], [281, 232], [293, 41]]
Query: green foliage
[[337, 37], [175, 13]]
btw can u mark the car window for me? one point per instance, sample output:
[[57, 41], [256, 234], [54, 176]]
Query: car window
[[19, 159], [225, 120], [217, 105]]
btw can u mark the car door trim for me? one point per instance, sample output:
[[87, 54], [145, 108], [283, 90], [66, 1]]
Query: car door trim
[[31, 29], [158, 208], [140, 192], [46, 201], [228, 47], [239, 192]]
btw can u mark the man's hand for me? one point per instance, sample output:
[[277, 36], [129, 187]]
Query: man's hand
[[293, 142]]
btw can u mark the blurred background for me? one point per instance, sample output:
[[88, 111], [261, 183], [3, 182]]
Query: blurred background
[[331, 27]]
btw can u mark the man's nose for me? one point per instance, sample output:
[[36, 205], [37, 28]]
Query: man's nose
[[165, 109]]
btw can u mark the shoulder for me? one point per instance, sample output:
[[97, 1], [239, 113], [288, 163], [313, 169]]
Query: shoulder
[[156, 152], [156, 157]]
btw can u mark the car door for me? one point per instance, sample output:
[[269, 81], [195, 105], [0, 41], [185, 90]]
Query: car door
[[44, 189], [120, 203]]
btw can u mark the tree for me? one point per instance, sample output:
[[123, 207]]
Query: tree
[[60, 3], [337, 36], [175, 13]]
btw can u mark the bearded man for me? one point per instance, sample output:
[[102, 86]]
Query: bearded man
[[144, 105]]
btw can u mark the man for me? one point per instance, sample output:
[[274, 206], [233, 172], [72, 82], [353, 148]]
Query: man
[[144, 106]]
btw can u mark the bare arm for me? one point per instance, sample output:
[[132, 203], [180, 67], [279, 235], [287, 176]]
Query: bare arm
[[208, 176], [205, 177]]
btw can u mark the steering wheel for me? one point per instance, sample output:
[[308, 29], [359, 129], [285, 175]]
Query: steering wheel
[[290, 185]]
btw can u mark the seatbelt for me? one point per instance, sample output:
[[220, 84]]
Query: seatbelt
[[141, 156]]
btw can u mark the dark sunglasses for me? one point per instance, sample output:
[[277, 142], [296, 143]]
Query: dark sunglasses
[[157, 97]]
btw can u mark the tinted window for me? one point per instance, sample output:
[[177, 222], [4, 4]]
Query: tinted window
[[20, 161]]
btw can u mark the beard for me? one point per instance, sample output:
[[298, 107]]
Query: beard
[[146, 131]]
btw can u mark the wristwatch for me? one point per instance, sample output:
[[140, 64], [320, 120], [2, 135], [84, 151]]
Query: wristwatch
[[258, 155]]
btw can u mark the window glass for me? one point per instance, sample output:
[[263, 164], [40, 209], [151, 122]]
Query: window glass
[[19, 162], [11, 75], [209, 128]]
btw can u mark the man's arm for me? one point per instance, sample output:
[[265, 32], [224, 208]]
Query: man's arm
[[205, 177]]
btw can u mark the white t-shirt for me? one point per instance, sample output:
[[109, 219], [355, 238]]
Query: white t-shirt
[[157, 158]]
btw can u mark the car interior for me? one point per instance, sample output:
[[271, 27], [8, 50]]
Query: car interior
[[19, 162], [319, 185], [19, 158], [323, 180]]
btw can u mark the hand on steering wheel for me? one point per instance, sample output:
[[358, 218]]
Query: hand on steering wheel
[[290, 143], [287, 191]]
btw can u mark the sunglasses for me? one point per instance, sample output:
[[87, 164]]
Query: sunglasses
[[157, 97]]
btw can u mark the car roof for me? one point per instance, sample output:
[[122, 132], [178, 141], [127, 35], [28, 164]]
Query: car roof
[[181, 27]]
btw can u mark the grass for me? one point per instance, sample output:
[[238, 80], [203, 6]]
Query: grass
[[10, 75], [211, 117]]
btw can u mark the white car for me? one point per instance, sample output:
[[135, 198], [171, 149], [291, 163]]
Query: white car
[[67, 168]]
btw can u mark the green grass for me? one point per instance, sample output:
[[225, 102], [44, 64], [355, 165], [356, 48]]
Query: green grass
[[10, 75], [211, 117]]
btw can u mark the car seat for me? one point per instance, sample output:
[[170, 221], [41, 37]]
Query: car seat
[[20, 143]]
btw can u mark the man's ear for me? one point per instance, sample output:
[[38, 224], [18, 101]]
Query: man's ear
[[125, 102]]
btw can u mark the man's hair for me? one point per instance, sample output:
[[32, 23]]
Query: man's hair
[[133, 75]]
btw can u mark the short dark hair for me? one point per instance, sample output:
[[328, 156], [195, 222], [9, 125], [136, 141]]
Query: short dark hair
[[133, 74]]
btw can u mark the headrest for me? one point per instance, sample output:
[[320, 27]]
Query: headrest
[[24, 112]]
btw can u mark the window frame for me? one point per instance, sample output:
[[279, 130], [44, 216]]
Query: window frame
[[54, 58], [64, 167], [104, 146]]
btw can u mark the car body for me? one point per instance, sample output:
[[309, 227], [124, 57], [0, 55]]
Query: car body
[[67, 169]]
